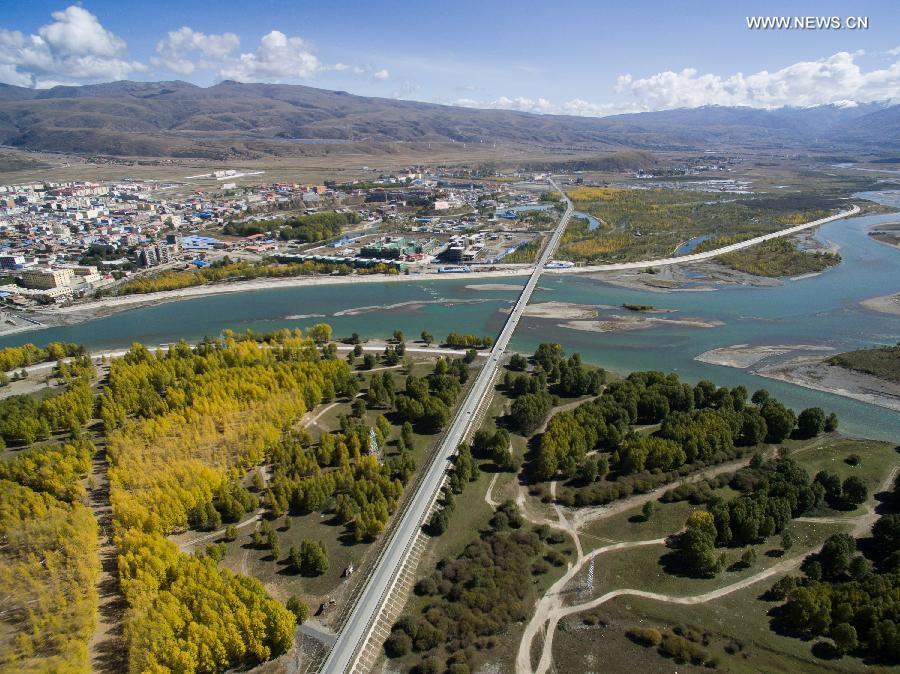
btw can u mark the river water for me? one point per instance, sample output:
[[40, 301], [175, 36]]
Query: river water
[[822, 310]]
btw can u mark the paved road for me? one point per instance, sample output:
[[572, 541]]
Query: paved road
[[346, 648]]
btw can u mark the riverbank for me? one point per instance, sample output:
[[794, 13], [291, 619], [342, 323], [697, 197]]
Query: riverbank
[[616, 273], [697, 277], [85, 311], [743, 356], [886, 304], [814, 373], [620, 323]]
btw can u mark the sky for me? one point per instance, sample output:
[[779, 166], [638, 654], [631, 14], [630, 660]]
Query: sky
[[565, 57]]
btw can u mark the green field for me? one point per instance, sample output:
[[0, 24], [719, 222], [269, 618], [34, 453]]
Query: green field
[[644, 223], [882, 362], [779, 257]]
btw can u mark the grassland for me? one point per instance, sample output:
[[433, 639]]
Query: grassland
[[779, 257], [643, 223], [586, 641], [882, 362], [733, 632]]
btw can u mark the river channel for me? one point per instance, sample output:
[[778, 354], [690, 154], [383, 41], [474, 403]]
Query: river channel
[[820, 310]]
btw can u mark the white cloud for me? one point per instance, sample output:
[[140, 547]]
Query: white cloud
[[177, 51], [833, 80], [836, 80], [74, 48], [542, 106], [894, 52], [278, 58], [382, 74]]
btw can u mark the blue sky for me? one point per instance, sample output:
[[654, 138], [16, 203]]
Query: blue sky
[[573, 57]]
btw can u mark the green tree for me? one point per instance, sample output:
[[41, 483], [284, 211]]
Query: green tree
[[753, 427], [835, 555], [808, 608], [427, 337], [779, 419], [854, 491], [359, 408], [294, 559], [787, 541], [845, 639], [518, 362], [811, 422], [886, 533], [697, 544], [406, 434], [313, 558], [398, 644], [298, 607], [439, 522], [831, 483], [529, 411]]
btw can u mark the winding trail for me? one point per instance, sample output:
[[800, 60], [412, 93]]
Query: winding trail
[[552, 618], [552, 603], [549, 610]]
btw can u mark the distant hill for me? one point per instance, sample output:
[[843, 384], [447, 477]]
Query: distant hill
[[228, 119]]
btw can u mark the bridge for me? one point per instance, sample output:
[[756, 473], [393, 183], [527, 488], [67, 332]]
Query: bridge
[[357, 644]]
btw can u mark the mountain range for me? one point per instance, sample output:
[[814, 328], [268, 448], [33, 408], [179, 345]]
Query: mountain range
[[179, 119]]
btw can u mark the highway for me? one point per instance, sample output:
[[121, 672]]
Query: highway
[[345, 651]]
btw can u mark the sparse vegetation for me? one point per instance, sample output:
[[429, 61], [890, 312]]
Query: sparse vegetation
[[778, 257], [645, 223], [881, 361]]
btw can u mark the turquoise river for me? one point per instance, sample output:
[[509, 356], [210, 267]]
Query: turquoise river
[[820, 310]]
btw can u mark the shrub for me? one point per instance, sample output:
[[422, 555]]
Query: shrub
[[398, 644], [681, 650], [299, 608], [644, 636]]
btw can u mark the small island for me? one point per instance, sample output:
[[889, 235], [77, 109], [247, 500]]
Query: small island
[[880, 361]]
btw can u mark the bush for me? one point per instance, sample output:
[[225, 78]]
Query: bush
[[644, 636], [854, 491], [299, 608], [398, 644], [681, 650]]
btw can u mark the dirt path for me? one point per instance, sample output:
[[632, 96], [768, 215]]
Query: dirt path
[[187, 546], [106, 648], [559, 613], [550, 610], [552, 602], [489, 494], [565, 524]]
